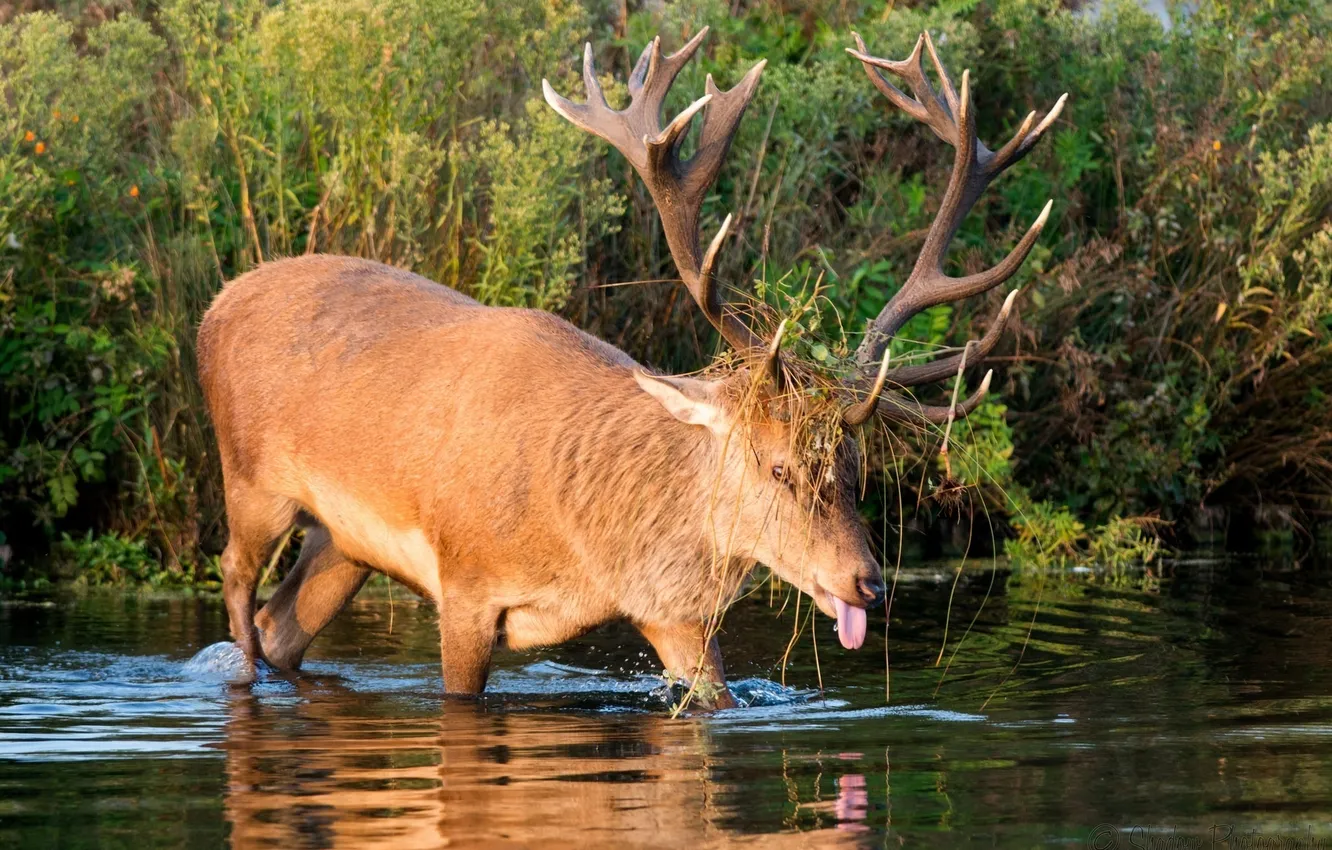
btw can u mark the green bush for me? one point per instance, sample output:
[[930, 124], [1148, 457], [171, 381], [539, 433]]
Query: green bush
[[81, 356], [109, 559], [1171, 353]]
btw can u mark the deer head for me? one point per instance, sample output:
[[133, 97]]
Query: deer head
[[785, 434]]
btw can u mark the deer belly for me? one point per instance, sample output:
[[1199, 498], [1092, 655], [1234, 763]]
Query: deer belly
[[402, 554], [525, 627]]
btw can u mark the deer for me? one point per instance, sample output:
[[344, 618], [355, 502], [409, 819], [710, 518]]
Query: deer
[[534, 482]]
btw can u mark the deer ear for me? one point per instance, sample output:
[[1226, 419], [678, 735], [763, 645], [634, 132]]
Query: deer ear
[[692, 401]]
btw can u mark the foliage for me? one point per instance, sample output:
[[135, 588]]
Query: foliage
[[1172, 349], [109, 559], [81, 356], [1048, 535], [1191, 323], [531, 253]]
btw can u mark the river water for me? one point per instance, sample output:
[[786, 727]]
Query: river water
[[1186, 706]]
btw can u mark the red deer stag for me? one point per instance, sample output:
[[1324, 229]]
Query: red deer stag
[[535, 482]]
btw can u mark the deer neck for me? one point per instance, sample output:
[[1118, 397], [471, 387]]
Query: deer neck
[[641, 484]]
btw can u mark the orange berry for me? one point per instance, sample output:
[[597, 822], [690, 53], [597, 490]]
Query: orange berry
[[40, 148], [1216, 145], [134, 191], [29, 136], [56, 114]]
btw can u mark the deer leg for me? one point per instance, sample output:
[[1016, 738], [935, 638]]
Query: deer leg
[[466, 639], [689, 653], [317, 588], [255, 522]]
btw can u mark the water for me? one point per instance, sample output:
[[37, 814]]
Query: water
[[1189, 709]]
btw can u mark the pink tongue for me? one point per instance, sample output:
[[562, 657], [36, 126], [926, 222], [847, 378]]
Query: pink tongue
[[850, 624]]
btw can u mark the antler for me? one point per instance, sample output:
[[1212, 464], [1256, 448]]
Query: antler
[[952, 119], [677, 187]]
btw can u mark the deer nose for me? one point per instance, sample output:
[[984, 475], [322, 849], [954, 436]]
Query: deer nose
[[872, 590]]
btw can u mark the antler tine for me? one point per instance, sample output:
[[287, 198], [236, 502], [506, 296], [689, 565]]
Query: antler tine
[[678, 187], [899, 407], [596, 99], [964, 287], [925, 106], [654, 74], [950, 93], [720, 123], [952, 118], [704, 290], [895, 407], [772, 363], [973, 350], [860, 412], [1026, 138], [662, 150]]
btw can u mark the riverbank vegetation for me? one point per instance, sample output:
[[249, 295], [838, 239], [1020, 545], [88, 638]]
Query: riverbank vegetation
[[1171, 369]]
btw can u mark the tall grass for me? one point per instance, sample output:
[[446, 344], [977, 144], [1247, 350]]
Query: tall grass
[[1172, 351]]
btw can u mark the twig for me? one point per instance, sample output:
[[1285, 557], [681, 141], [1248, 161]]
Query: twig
[[277, 554], [952, 411]]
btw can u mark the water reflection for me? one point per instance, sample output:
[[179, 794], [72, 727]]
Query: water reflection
[[1184, 699], [311, 772]]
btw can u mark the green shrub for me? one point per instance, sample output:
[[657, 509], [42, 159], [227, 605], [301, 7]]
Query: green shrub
[[81, 353], [108, 559]]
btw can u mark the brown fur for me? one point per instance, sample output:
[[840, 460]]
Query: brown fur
[[502, 463]]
